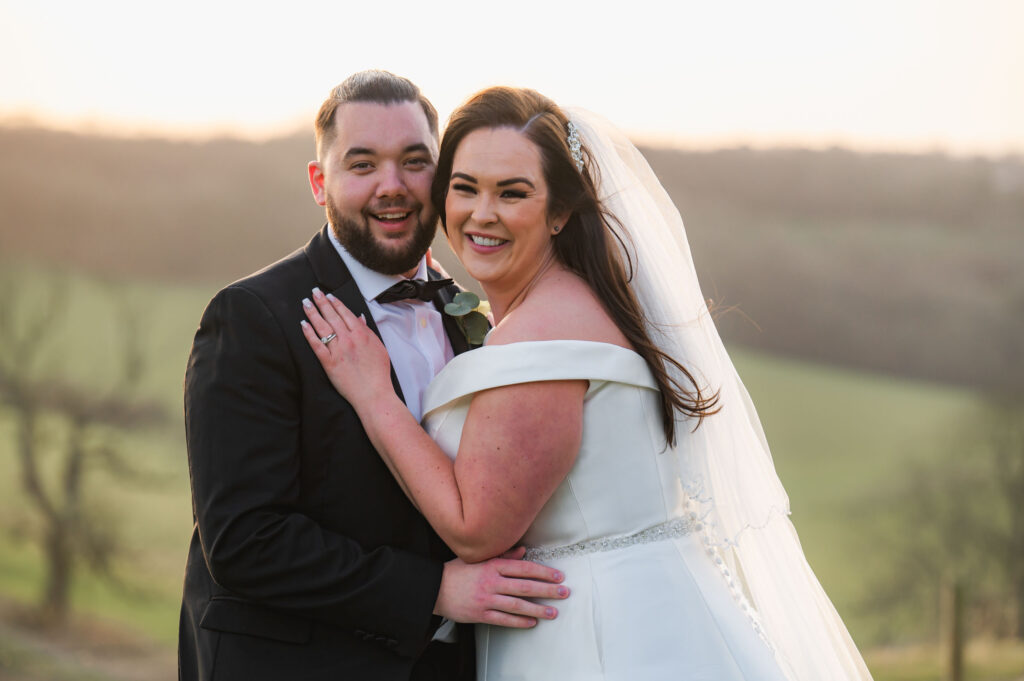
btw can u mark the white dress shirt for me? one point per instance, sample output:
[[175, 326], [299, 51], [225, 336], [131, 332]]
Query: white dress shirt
[[412, 330]]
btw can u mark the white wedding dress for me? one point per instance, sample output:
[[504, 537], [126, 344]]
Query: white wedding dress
[[651, 598]]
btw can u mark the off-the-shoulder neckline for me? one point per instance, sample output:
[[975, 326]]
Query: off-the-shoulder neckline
[[580, 359]]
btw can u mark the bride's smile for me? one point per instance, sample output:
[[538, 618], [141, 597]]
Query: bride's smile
[[485, 242]]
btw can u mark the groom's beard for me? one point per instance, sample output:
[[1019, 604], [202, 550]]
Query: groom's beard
[[384, 257]]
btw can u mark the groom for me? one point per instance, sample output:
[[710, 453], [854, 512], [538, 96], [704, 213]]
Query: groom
[[307, 561]]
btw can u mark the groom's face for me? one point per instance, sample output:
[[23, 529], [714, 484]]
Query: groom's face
[[374, 181]]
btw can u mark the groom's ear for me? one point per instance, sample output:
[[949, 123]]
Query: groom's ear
[[316, 182]]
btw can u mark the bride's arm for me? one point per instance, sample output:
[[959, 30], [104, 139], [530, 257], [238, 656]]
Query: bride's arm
[[517, 445]]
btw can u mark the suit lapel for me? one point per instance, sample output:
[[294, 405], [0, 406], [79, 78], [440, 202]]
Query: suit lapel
[[333, 276], [451, 326]]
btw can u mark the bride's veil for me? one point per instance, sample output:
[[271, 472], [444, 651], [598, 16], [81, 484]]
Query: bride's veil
[[725, 465]]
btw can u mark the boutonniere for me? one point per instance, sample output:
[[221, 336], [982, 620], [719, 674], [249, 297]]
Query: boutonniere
[[471, 314]]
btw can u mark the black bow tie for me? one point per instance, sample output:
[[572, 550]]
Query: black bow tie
[[413, 289]]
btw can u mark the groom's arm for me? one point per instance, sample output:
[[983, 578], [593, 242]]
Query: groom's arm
[[243, 405]]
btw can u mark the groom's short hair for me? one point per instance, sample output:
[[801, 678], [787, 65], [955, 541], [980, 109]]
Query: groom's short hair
[[375, 86]]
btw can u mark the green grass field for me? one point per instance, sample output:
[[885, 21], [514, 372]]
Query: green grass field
[[836, 436]]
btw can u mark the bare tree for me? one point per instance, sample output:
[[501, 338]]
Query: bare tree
[[957, 518], [1005, 430], [38, 395]]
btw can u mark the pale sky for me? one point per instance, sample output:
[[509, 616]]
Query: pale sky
[[942, 75]]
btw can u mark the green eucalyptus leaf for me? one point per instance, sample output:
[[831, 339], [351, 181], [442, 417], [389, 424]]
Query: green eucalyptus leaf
[[467, 298], [457, 309], [475, 325]]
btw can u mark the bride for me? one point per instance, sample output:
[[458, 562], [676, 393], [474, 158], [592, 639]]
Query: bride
[[602, 425]]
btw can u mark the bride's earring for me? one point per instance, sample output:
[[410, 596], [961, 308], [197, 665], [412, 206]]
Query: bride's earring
[[556, 229]]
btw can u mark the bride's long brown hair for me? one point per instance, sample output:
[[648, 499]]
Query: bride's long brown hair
[[586, 244]]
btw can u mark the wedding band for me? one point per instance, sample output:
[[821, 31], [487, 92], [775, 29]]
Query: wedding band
[[327, 339]]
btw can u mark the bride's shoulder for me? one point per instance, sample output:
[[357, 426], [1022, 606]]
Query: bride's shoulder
[[561, 307]]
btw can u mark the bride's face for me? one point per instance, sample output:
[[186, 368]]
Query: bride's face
[[496, 209]]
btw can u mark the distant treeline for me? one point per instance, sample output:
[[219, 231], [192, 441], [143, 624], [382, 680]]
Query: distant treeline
[[839, 184], [912, 264]]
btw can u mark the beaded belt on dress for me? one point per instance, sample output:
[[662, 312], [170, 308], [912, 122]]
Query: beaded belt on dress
[[677, 527]]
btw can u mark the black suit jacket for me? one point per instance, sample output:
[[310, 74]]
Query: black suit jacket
[[307, 561]]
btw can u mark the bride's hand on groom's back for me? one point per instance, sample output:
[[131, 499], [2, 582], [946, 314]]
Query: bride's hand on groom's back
[[495, 591]]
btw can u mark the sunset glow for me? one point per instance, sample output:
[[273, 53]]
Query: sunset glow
[[944, 75]]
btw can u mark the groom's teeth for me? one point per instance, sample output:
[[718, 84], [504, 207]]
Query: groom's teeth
[[486, 241], [392, 216]]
